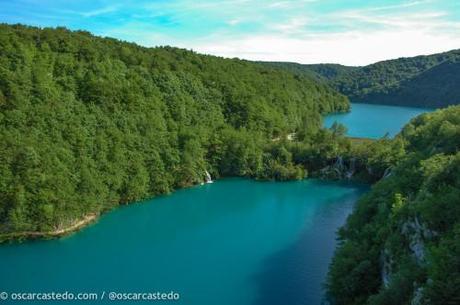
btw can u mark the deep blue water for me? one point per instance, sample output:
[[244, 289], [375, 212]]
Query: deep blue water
[[374, 121], [234, 242]]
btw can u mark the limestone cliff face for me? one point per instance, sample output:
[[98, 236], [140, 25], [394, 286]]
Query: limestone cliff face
[[386, 269], [417, 299], [417, 233]]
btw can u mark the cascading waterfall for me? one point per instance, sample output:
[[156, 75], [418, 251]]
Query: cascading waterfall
[[387, 173], [351, 169], [207, 177], [341, 168], [338, 166], [339, 162]]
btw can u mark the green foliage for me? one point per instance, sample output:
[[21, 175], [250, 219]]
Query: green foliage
[[87, 123], [424, 191], [444, 285], [422, 81], [401, 287]]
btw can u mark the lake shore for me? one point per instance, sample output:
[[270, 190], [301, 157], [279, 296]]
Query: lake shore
[[184, 240], [75, 226], [88, 219]]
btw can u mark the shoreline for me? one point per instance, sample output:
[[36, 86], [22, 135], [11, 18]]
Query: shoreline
[[87, 220], [75, 226]]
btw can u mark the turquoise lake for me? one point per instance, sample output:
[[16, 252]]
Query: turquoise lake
[[233, 242], [374, 121]]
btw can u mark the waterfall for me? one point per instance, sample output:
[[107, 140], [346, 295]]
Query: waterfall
[[339, 163], [340, 169], [351, 169], [387, 173], [207, 177]]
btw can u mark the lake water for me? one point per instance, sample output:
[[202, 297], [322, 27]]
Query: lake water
[[374, 121], [234, 242]]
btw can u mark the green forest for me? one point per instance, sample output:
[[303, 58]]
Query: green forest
[[87, 123], [401, 245], [422, 81]]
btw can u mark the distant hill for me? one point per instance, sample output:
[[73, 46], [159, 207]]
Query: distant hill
[[436, 87], [421, 81], [323, 72]]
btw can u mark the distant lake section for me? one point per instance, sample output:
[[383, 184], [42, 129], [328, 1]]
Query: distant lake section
[[374, 121]]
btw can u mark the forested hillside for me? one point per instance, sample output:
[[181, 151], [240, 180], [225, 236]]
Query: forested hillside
[[322, 72], [87, 123], [422, 81], [401, 245], [436, 87]]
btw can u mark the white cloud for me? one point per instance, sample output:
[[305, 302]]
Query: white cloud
[[414, 20], [234, 21], [100, 11], [350, 36], [280, 4], [291, 26], [353, 48], [396, 6], [294, 25]]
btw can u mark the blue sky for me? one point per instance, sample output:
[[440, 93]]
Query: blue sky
[[352, 32]]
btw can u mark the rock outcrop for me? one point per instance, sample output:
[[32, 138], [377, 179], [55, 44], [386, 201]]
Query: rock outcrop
[[417, 233]]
